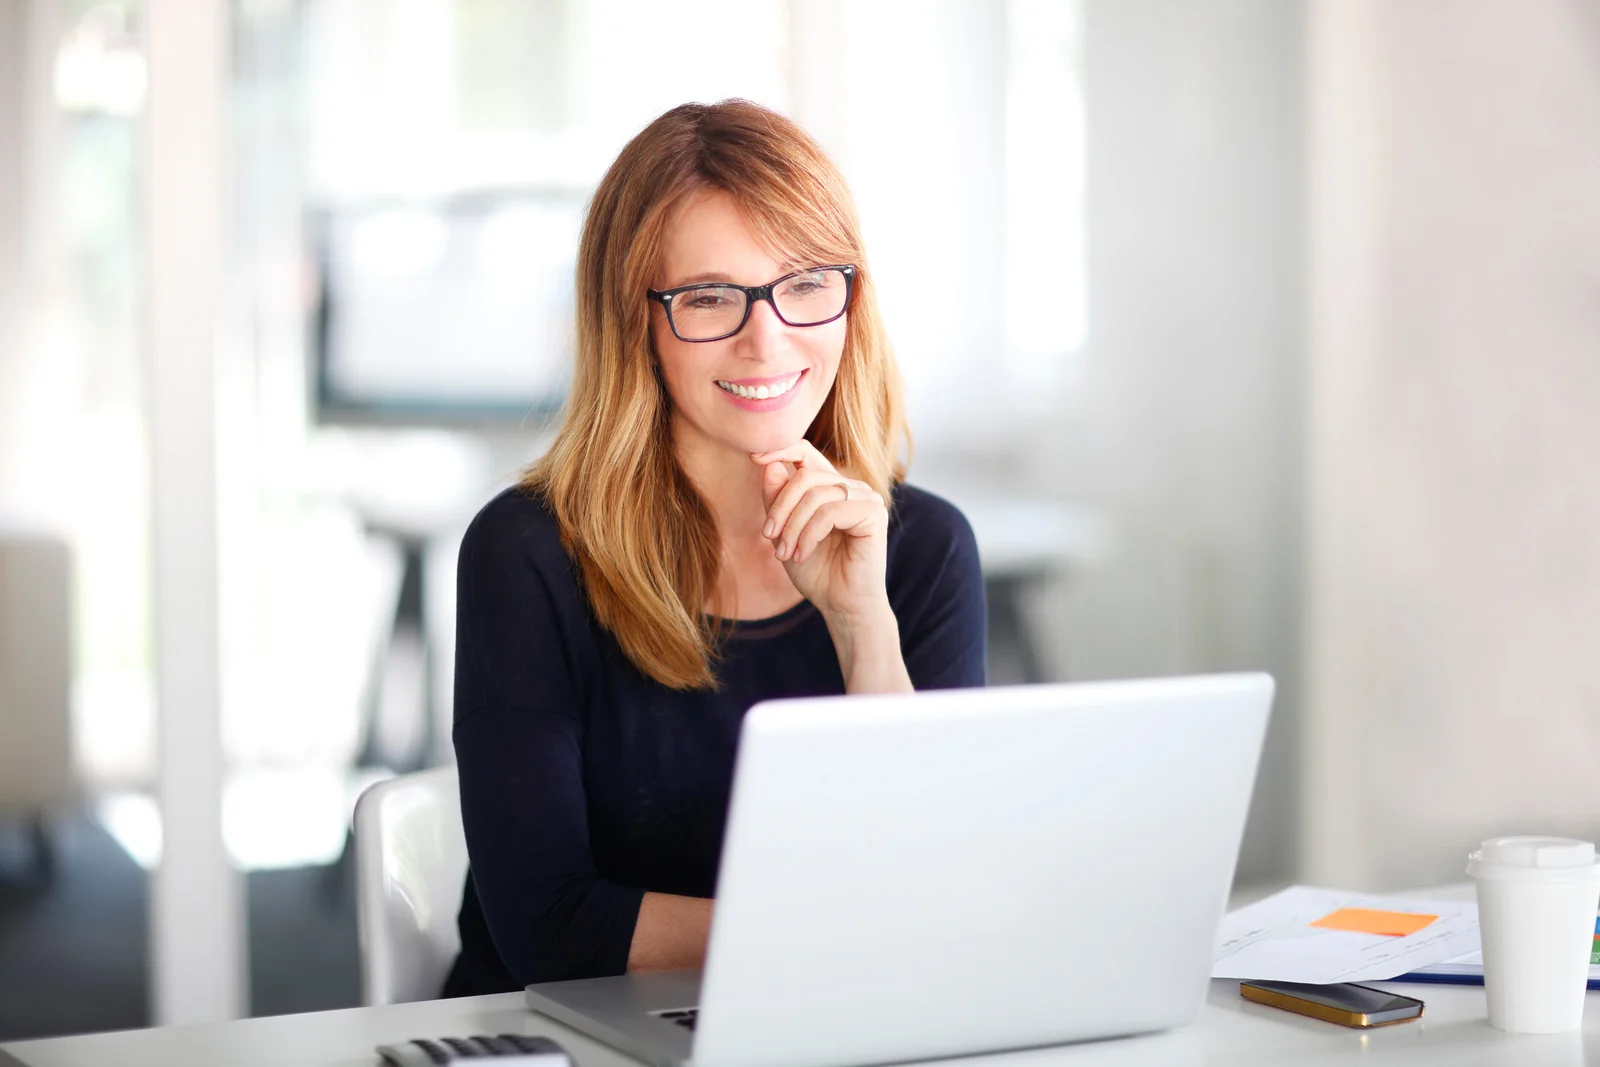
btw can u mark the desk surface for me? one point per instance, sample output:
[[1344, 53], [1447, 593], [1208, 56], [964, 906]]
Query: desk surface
[[1231, 1032]]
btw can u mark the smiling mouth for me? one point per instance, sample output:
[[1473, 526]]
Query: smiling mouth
[[762, 392]]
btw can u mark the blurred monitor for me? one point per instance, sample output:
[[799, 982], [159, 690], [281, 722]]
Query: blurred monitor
[[452, 310]]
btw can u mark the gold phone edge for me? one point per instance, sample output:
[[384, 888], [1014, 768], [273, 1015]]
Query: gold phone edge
[[1353, 1019]]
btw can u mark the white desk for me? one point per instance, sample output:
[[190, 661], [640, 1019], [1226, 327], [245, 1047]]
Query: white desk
[[1231, 1032]]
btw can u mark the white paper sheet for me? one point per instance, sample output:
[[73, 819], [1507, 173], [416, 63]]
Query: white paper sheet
[[1272, 939], [1471, 964]]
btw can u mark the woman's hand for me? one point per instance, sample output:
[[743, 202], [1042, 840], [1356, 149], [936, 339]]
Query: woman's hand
[[832, 534], [830, 531]]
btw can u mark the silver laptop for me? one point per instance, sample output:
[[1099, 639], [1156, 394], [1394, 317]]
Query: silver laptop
[[948, 873]]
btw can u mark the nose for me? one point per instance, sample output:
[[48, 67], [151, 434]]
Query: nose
[[764, 334]]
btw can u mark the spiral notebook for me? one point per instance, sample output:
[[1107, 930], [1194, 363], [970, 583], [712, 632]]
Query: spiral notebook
[[1468, 969]]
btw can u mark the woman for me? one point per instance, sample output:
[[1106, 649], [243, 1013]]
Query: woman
[[720, 520]]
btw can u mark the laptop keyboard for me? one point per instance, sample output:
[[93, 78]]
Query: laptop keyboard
[[684, 1017]]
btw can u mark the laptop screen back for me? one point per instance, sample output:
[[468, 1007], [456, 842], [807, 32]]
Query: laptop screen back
[[933, 874]]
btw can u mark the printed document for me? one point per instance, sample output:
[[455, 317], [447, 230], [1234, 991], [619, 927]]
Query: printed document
[[1305, 934]]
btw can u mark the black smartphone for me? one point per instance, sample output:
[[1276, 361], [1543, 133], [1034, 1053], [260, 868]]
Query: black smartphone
[[1346, 1003]]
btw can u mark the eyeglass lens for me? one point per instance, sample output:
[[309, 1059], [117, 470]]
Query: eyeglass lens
[[716, 311]]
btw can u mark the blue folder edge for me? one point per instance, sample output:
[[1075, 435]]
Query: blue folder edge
[[1457, 979], [1477, 979]]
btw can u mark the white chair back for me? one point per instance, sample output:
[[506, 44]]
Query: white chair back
[[411, 863]]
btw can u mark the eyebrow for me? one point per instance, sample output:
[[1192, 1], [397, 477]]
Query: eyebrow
[[718, 276], [706, 276]]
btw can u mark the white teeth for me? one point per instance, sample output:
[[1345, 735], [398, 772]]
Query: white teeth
[[761, 392]]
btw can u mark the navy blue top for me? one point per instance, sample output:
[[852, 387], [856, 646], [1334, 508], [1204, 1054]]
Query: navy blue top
[[585, 783]]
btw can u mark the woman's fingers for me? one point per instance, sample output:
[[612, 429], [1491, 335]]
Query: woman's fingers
[[817, 500], [782, 466], [786, 527], [792, 460], [801, 454], [856, 517], [774, 476], [803, 481], [799, 483]]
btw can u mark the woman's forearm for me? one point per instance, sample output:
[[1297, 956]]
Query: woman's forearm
[[869, 653], [671, 933]]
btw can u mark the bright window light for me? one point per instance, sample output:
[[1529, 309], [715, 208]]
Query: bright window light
[[1045, 253]]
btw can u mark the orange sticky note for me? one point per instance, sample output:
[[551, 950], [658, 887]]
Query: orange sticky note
[[1369, 921]]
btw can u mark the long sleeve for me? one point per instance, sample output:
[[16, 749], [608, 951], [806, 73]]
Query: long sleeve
[[518, 732], [584, 782], [937, 594]]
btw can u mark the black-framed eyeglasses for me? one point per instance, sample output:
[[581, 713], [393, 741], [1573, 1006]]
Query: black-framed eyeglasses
[[714, 311]]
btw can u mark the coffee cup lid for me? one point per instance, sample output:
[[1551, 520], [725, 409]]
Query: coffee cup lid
[[1508, 856]]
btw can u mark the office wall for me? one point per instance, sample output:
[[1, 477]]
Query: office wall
[[1454, 563], [1184, 424], [12, 124], [27, 261]]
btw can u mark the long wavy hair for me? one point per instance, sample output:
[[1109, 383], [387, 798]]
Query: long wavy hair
[[644, 540]]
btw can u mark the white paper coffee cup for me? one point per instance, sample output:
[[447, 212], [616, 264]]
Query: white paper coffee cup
[[1536, 915]]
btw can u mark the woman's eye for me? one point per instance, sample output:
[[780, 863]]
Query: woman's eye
[[804, 287], [704, 302]]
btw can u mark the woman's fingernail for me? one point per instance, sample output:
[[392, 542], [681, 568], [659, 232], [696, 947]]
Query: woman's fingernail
[[783, 550], [766, 531]]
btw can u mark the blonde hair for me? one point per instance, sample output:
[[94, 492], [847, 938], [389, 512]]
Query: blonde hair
[[644, 541]]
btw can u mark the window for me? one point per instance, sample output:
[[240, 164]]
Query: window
[[958, 123]]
